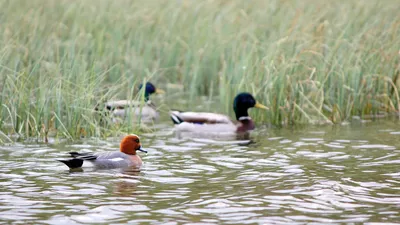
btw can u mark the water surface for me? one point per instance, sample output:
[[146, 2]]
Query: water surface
[[342, 174]]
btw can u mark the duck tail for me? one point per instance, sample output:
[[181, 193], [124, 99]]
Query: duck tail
[[175, 117], [72, 163], [77, 154]]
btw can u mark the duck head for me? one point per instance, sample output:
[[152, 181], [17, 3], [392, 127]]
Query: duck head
[[243, 102], [130, 144], [150, 89]]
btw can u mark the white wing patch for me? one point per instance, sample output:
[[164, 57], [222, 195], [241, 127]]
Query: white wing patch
[[116, 159]]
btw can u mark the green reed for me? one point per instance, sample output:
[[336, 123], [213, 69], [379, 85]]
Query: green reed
[[309, 61]]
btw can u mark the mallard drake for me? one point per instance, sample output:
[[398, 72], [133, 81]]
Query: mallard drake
[[147, 113], [203, 122], [126, 157]]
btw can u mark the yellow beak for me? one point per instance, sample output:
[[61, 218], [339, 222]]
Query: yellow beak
[[260, 106], [159, 91]]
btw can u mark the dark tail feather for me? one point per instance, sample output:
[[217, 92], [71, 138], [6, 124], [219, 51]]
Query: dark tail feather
[[76, 154], [73, 163], [175, 118]]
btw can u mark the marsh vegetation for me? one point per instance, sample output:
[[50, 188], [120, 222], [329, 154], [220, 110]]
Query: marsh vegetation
[[309, 61]]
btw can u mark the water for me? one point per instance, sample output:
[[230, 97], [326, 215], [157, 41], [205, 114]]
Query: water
[[343, 174]]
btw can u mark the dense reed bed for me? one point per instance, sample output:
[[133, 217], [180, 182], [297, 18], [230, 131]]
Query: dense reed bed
[[309, 61]]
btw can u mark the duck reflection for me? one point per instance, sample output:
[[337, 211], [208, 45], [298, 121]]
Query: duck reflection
[[243, 136], [240, 136], [127, 184]]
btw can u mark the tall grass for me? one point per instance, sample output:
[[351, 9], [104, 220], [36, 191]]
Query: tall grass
[[310, 61]]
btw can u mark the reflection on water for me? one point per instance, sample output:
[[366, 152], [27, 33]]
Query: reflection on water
[[347, 174]]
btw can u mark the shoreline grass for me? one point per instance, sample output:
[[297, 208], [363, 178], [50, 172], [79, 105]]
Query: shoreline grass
[[310, 61]]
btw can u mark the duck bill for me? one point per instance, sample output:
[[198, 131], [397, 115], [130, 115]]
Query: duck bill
[[142, 150], [160, 91], [260, 106]]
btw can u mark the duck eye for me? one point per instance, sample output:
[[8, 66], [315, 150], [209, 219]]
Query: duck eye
[[137, 140]]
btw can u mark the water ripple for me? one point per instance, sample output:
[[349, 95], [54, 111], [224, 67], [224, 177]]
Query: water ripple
[[280, 177]]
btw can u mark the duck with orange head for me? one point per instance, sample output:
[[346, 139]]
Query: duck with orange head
[[126, 157]]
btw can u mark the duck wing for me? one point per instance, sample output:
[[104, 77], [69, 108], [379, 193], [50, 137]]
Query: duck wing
[[120, 104], [83, 156], [111, 160], [146, 112], [199, 117]]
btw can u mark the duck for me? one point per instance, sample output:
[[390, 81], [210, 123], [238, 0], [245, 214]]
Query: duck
[[205, 122], [125, 157], [148, 112]]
